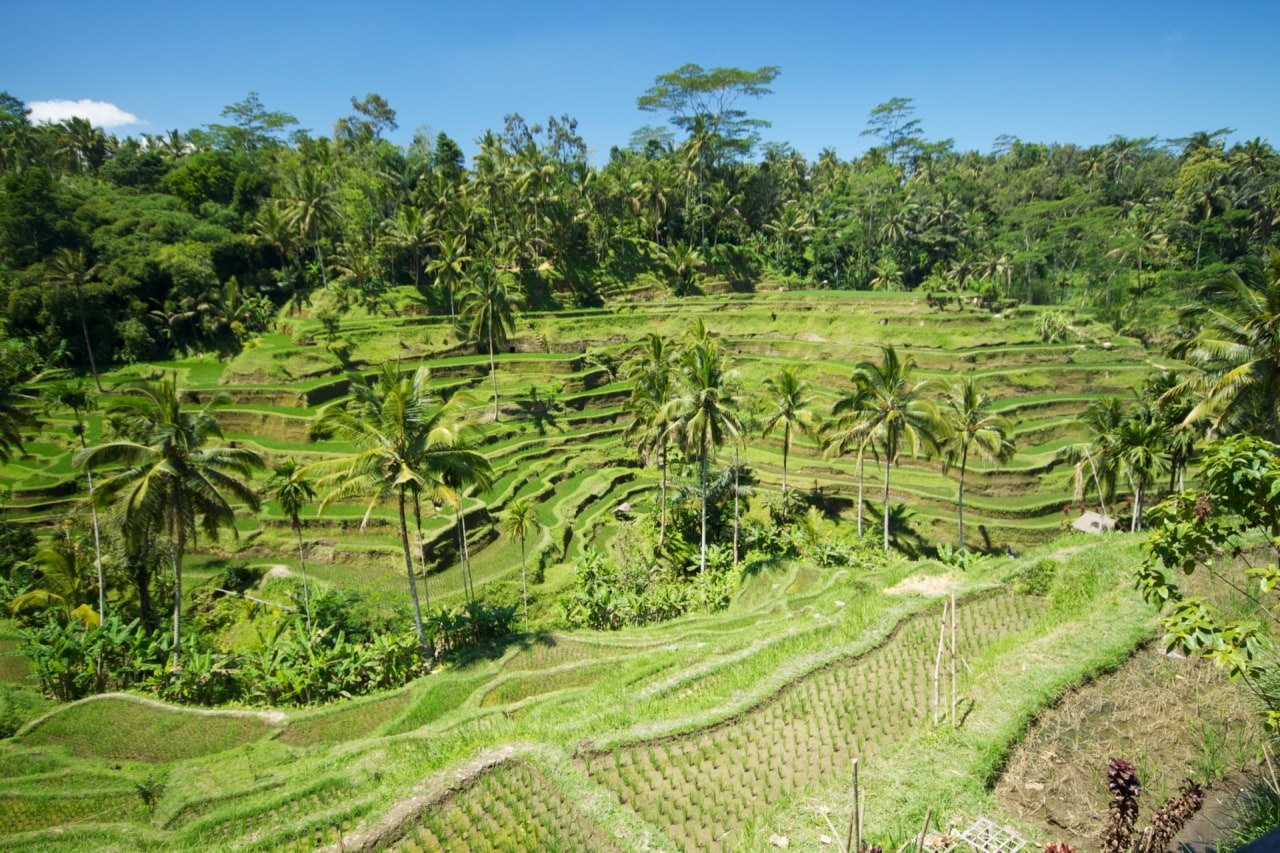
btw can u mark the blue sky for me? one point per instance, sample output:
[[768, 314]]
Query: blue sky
[[1045, 72]]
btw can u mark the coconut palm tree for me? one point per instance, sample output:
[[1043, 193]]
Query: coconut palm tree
[[487, 307], [170, 480], [787, 398], [1238, 348], [652, 370], [311, 209], [450, 265], [853, 426], [409, 442], [14, 417], [707, 417], [1140, 454], [1100, 420], [74, 394], [64, 584], [972, 428], [897, 413], [519, 521], [70, 269], [292, 489]]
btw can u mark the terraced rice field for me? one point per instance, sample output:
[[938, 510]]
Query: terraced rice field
[[559, 438]]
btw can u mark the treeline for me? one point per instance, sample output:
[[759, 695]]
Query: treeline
[[134, 249]]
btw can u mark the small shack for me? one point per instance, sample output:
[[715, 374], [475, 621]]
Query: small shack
[[1093, 522]]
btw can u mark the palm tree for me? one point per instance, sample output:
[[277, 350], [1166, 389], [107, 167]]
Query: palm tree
[[1101, 420], [408, 442], [973, 429], [787, 398], [64, 583], [1140, 455], [14, 417], [487, 309], [71, 269], [521, 520], [292, 489], [1238, 348], [311, 209], [652, 371], [171, 480], [706, 412], [853, 426], [897, 413], [450, 265], [411, 231], [73, 394]]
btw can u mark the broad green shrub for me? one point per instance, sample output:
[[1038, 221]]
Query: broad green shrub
[[476, 622], [293, 668], [606, 599], [1037, 578]]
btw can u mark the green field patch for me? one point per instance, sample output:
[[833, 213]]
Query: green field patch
[[125, 728], [510, 807], [344, 722]]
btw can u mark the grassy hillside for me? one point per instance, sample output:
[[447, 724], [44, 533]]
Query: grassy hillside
[[713, 732]]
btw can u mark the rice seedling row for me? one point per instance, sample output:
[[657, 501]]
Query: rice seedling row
[[705, 788], [513, 807]]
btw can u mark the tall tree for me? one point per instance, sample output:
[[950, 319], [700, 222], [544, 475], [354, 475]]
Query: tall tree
[[293, 491], [171, 481], [311, 209], [897, 413], [1238, 348], [70, 269], [74, 394], [707, 410], [691, 95], [972, 429], [787, 399], [409, 441], [652, 371], [519, 521], [853, 426], [487, 314]]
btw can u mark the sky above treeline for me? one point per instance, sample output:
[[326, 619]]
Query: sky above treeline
[[1042, 72]]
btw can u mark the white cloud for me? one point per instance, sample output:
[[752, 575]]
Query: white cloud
[[99, 113]]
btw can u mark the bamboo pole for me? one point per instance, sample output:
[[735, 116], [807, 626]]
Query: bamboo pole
[[928, 815], [937, 662], [854, 835], [955, 722]]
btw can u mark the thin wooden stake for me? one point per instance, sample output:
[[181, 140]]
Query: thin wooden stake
[[937, 662], [928, 815], [955, 722], [862, 820], [853, 815]]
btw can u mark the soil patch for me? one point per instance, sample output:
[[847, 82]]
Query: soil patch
[[1173, 718]]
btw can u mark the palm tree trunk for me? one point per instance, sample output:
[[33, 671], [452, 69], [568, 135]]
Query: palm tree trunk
[[302, 561], [886, 502], [662, 525], [735, 504], [524, 586], [422, 555], [493, 372], [413, 582], [702, 566], [88, 345], [786, 444], [964, 461], [175, 552], [1136, 524], [468, 582], [324, 279], [861, 482]]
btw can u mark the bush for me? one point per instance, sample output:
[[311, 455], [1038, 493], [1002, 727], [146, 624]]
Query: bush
[[1037, 578]]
